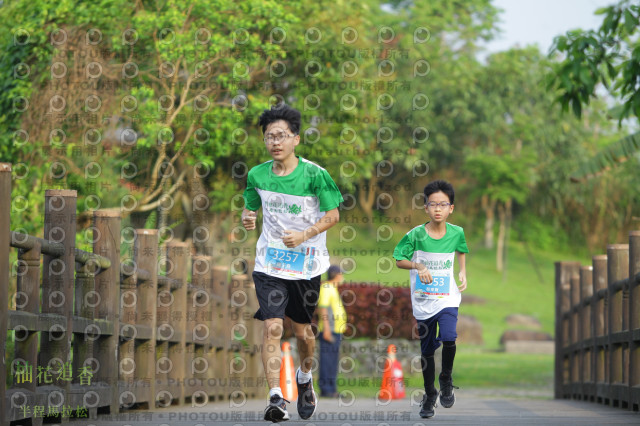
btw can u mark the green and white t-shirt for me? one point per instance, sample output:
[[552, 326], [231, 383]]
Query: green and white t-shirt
[[438, 255], [293, 202]]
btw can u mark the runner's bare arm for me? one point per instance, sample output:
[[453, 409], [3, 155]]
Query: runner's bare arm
[[423, 272], [463, 272], [295, 238]]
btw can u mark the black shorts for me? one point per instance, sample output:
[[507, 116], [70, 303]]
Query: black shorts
[[278, 297]]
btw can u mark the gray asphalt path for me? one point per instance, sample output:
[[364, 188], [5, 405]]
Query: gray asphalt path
[[469, 409]]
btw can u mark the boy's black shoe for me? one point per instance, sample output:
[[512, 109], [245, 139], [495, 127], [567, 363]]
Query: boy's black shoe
[[276, 411], [428, 406], [307, 400], [447, 397]]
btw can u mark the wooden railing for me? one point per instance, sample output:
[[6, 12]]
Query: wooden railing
[[132, 337], [598, 327]]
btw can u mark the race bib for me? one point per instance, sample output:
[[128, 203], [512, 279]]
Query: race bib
[[437, 289], [294, 262]]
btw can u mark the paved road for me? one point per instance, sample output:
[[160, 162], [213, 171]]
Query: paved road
[[470, 409]]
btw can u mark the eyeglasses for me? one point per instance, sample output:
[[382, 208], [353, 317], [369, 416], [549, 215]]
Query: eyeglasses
[[443, 205], [276, 137]]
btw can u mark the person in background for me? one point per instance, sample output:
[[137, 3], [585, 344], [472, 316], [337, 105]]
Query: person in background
[[332, 322]]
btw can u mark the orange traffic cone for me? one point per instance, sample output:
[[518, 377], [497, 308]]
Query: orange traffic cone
[[392, 386], [287, 374]]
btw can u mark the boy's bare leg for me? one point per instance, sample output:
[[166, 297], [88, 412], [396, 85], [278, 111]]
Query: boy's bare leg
[[271, 352], [306, 344]]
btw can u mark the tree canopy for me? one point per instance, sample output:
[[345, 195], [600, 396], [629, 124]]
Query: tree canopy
[[152, 107]]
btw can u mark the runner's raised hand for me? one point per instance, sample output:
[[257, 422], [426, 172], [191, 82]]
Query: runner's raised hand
[[249, 219], [292, 238], [424, 274]]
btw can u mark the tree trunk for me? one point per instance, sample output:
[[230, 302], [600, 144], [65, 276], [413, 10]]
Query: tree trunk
[[508, 209], [489, 207], [163, 215], [501, 234], [366, 198]]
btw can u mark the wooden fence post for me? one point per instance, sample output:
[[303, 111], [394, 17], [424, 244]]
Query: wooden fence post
[[28, 300], [146, 257], [164, 329], [189, 358], [586, 292], [600, 324], [238, 299], [617, 269], [256, 372], [5, 232], [127, 347], [210, 349], [178, 254], [634, 320], [221, 325], [106, 243], [575, 360], [200, 332], [564, 272], [58, 288]]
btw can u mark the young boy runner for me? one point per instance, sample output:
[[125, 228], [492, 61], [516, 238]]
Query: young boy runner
[[299, 203], [428, 252]]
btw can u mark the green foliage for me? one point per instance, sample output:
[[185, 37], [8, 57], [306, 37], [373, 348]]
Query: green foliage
[[608, 56], [539, 232], [152, 220], [618, 152], [490, 127], [502, 178]]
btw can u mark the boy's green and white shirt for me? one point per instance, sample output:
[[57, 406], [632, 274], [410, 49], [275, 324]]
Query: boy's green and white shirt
[[438, 255], [292, 202]]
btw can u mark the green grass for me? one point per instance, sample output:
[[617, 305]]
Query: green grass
[[481, 372]]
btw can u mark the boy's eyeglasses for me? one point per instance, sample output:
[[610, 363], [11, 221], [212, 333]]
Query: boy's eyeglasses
[[443, 205], [276, 137]]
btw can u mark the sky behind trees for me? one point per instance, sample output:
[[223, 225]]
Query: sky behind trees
[[526, 22]]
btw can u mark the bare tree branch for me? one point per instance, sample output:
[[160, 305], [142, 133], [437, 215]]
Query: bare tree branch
[[154, 175], [173, 159], [171, 190]]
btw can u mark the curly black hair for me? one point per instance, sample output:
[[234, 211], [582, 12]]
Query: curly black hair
[[283, 112]]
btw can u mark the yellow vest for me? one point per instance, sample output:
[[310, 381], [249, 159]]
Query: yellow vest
[[330, 298]]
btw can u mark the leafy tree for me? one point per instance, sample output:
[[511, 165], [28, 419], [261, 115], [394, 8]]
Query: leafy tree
[[430, 47], [501, 156], [608, 57], [162, 114]]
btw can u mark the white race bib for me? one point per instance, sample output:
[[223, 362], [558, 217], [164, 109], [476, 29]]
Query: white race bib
[[439, 288], [294, 262]]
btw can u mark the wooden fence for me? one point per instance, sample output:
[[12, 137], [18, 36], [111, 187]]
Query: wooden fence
[[101, 336], [598, 327]]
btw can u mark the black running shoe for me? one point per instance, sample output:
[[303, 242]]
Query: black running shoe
[[307, 400], [276, 411], [428, 406], [447, 397]]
